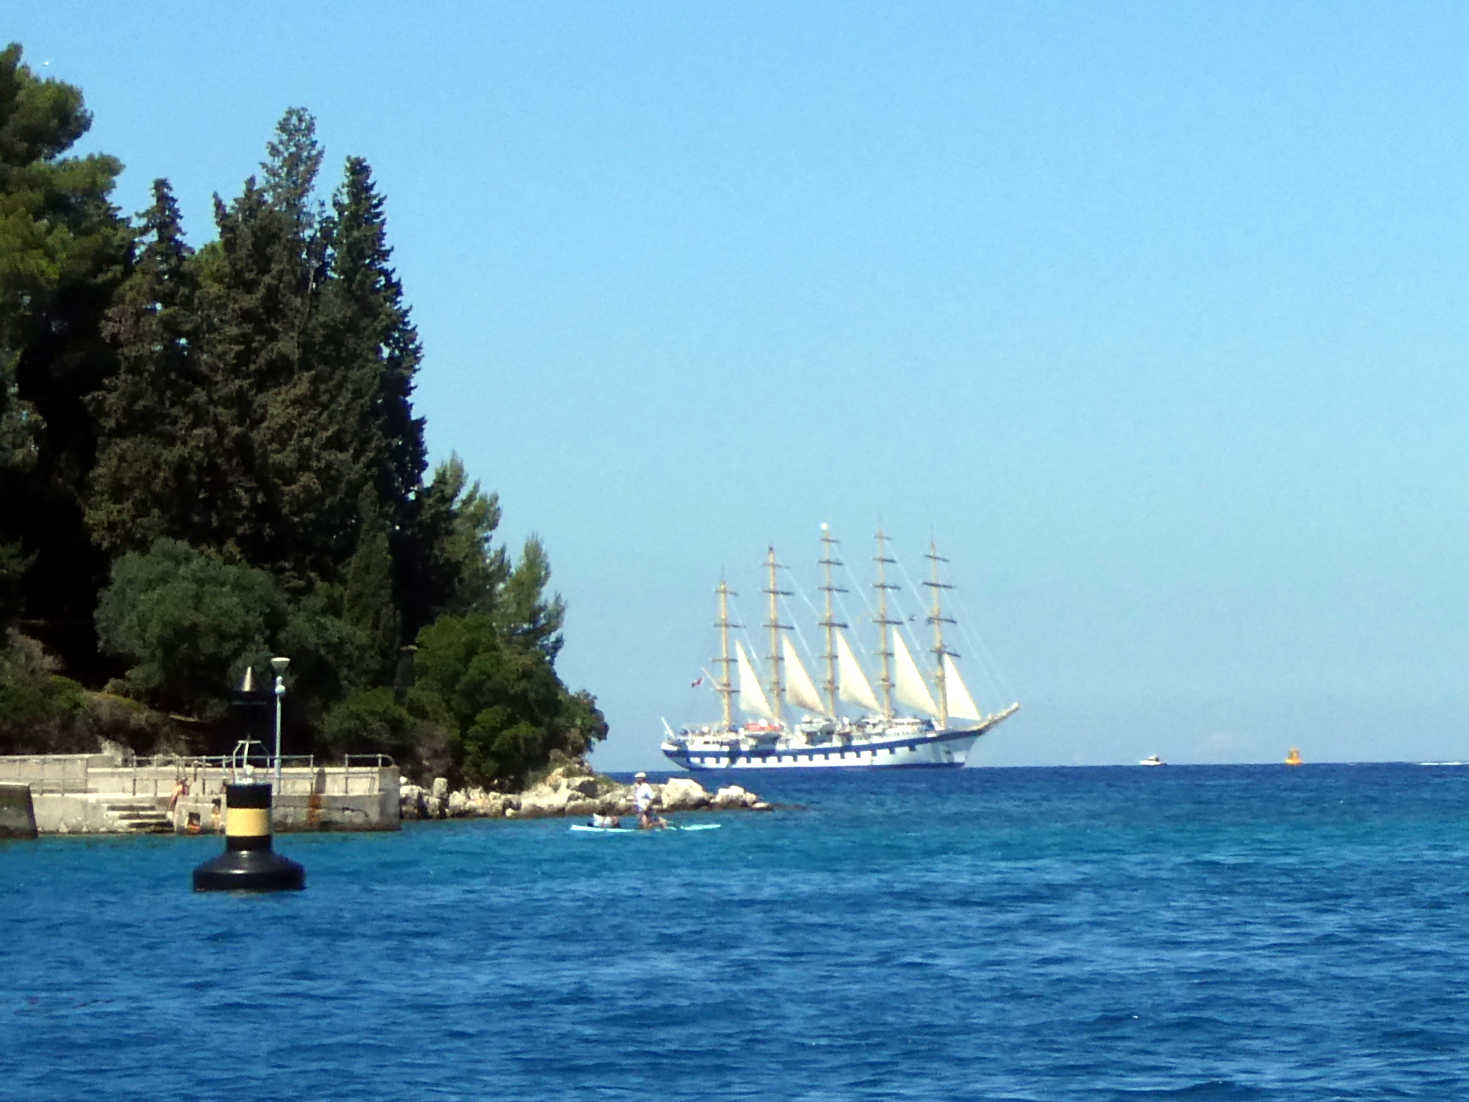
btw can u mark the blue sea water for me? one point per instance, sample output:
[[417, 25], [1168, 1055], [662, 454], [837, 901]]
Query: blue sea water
[[1199, 933]]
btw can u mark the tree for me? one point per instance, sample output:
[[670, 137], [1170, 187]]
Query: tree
[[41, 712], [188, 623], [365, 322], [293, 158], [63, 246], [503, 702], [63, 249], [154, 416], [368, 609], [448, 563], [280, 457], [523, 612]]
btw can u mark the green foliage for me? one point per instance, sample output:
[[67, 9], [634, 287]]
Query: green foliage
[[154, 415], [524, 613], [503, 701], [449, 564], [293, 158], [40, 712], [63, 250], [364, 320], [13, 565], [582, 723], [187, 622], [368, 611], [371, 721]]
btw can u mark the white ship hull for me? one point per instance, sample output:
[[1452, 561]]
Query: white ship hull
[[888, 750], [951, 749]]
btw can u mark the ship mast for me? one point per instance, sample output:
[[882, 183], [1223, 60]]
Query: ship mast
[[938, 620], [884, 646], [726, 660], [828, 621], [775, 626]]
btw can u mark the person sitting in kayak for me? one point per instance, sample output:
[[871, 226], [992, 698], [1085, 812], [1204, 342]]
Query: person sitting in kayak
[[642, 798]]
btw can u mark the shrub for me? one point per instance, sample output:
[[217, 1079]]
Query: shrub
[[40, 711]]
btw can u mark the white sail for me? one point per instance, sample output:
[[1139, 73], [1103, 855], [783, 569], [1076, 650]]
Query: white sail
[[910, 686], [799, 689], [852, 683], [752, 696], [961, 704]]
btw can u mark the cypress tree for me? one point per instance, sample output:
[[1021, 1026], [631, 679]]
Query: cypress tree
[[157, 432], [366, 323], [281, 473]]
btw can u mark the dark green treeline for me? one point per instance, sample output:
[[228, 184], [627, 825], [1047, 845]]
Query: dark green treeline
[[209, 456]]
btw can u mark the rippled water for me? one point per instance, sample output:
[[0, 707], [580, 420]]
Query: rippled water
[[1187, 932]]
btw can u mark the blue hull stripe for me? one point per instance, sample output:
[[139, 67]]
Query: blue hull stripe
[[846, 757]]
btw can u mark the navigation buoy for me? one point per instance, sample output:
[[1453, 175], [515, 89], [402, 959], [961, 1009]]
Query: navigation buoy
[[248, 863]]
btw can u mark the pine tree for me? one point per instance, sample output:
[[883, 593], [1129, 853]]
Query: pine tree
[[450, 565], [63, 250], [523, 612]]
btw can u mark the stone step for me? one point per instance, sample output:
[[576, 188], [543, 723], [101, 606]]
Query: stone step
[[141, 818]]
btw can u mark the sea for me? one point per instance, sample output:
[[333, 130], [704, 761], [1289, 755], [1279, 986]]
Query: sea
[[1185, 932]]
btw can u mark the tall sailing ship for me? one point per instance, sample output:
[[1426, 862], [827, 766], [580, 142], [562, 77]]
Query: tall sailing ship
[[795, 725]]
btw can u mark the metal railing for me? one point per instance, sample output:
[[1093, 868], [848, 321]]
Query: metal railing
[[157, 776]]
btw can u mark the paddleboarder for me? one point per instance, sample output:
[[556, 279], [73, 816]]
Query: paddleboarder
[[642, 798]]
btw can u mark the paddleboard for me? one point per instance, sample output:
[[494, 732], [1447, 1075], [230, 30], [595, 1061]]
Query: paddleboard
[[588, 829]]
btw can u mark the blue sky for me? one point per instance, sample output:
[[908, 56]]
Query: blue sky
[[1152, 315]]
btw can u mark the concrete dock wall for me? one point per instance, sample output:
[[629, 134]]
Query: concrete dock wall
[[17, 812], [94, 794]]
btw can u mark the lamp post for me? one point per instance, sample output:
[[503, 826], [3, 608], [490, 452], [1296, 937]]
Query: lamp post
[[279, 665]]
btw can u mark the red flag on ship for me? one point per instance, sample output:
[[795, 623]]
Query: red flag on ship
[[696, 682]]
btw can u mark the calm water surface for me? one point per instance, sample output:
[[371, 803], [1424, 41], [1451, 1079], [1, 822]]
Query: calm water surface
[[1187, 932]]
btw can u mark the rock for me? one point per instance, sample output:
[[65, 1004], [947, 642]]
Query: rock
[[489, 805], [493, 805], [584, 786], [732, 796], [571, 780], [683, 794], [412, 802], [571, 790], [541, 802]]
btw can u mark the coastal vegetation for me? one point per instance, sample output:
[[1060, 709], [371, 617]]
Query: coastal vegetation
[[210, 455]]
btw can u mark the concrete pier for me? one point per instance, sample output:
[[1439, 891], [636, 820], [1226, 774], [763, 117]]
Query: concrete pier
[[17, 813], [95, 794]]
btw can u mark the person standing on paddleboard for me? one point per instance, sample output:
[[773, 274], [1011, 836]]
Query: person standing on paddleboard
[[642, 798]]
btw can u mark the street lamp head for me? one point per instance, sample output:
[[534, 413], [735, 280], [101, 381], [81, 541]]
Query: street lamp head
[[279, 665]]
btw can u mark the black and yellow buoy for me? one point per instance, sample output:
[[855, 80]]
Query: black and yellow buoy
[[248, 864]]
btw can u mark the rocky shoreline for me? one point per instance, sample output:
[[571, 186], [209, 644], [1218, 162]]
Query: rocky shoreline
[[568, 791]]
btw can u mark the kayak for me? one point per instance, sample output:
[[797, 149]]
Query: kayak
[[589, 829]]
